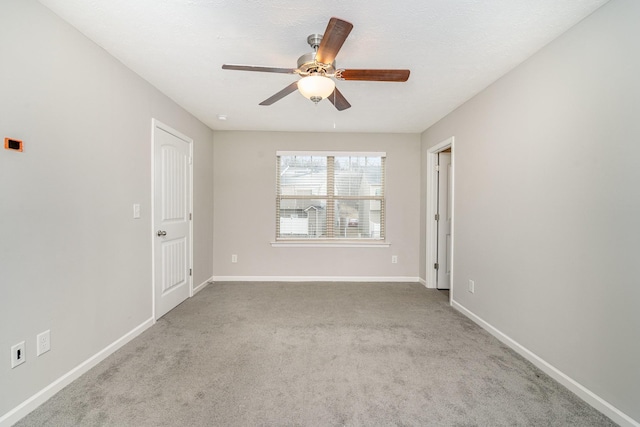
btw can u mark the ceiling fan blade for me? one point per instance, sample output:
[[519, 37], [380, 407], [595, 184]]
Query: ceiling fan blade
[[338, 100], [278, 96], [375, 75], [258, 68], [332, 40]]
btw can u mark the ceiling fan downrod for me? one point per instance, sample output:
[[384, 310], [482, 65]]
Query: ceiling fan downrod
[[314, 41]]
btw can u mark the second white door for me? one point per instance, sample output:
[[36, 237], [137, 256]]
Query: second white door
[[443, 276]]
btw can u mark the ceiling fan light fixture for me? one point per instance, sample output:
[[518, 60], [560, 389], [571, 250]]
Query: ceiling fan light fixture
[[316, 87]]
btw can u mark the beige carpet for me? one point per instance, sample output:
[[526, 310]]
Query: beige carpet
[[315, 354]]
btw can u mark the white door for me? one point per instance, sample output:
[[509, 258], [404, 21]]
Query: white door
[[171, 218], [443, 276]]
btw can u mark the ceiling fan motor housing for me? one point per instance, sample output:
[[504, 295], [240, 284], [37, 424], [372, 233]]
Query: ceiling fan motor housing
[[307, 63]]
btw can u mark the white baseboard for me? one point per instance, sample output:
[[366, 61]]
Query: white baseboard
[[423, 282], [395, 279], [20, 411], [202, 285], [581, 391]]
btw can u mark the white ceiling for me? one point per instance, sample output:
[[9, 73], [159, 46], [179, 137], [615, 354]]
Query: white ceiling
[[454, 49]]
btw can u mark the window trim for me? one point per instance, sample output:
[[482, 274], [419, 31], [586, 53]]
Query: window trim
[[331, 240], [332, 153], [337, 243]]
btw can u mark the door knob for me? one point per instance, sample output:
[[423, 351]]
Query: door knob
[[162, 233]]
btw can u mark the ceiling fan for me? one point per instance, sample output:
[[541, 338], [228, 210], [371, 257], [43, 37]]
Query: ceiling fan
[[317, 69]]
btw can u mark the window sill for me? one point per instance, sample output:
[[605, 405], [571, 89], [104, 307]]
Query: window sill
[[329, 244]]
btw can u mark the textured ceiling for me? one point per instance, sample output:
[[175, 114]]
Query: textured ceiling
[[454, 49]]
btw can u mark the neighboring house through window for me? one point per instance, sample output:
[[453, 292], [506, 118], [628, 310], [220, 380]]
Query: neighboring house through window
[[330, 196]]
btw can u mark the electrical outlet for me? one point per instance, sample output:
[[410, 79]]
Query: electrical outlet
[[43, 342], [394, 259], [18, 356], [234, 258], [472, 286]]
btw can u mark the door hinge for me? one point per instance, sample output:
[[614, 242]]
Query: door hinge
[[189, 216], [436, 266], [190, 272], [437, 217], [437, 168]]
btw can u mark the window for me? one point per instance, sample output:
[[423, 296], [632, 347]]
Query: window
[[330, 196]]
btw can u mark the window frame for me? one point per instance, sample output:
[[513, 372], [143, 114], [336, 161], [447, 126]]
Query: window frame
[[330, 239]]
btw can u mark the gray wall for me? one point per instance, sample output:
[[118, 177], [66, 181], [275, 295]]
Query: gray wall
[[244, 168], [547, 203], [72, 258]]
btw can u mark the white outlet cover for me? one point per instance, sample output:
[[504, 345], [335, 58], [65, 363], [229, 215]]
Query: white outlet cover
[[43, 341]]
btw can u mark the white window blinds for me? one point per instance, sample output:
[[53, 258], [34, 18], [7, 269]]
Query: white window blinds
[[329, 196]]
